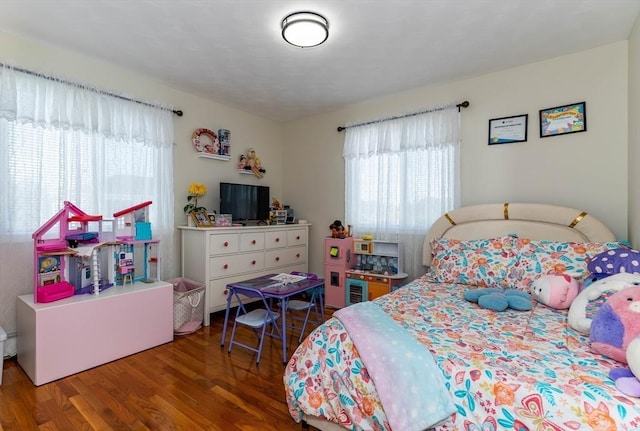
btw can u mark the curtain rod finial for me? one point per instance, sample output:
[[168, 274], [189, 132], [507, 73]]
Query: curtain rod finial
[[464, 104], [340, 128], [178, 113]]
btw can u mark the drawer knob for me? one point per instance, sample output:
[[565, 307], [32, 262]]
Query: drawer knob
[[277, 239], [226, 244], [226, 291], [297, 254], [225, 266], [298, 237], [277, 259], [253, 262], [253, 242]]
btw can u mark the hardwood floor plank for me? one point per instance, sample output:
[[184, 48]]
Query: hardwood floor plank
[[189, 384]]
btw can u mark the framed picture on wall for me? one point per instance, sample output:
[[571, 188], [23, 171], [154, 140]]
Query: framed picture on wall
[[508, 129], [562, 120]]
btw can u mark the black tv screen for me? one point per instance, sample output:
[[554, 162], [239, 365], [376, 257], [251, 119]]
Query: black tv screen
[[244, 201]]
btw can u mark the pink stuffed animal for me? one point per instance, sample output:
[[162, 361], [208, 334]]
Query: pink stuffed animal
[[555, 291], [616, 324]]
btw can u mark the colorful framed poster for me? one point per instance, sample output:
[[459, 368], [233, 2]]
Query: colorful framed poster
[[508, 129], [562, 120]]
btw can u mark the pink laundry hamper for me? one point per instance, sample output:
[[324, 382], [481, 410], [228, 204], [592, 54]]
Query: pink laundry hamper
[[188, 305]]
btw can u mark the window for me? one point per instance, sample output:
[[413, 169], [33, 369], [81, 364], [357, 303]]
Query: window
[[401, 175]]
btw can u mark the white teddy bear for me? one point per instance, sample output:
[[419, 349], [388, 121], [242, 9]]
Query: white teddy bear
[[578, 318]]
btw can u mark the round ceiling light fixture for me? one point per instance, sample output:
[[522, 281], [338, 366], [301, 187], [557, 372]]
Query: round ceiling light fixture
[[305, 29]]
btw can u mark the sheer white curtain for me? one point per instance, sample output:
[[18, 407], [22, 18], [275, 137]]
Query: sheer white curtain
[[401, 175], [63, 142]]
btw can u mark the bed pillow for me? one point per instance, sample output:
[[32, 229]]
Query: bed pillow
[[483, 262], [537, 258]]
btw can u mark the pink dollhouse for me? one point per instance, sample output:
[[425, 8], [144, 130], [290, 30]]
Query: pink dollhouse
[[67, 234], [69, 251]]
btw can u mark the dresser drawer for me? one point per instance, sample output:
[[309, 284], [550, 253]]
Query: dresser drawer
[[224, 266], [296, 237], [252, 241], [283, 257], [223, 243], [275, 239], [217, 292]]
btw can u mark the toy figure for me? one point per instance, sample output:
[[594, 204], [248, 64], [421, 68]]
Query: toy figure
[[275, 204], [337, 230], [254, 164], [243, 162]]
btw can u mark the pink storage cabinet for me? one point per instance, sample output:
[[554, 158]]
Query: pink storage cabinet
[[338, 258]]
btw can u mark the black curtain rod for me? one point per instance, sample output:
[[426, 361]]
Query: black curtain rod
[[464, 104], [63, 81]]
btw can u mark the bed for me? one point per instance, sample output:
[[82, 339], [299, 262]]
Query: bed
[[522, 370]]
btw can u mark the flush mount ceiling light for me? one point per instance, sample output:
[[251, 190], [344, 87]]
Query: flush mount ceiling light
[[305, 29]]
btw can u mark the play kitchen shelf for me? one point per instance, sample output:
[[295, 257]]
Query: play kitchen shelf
[[376, 270]]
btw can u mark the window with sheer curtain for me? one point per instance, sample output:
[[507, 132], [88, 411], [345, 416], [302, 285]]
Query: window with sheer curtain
[[62, 142], [401, 175]]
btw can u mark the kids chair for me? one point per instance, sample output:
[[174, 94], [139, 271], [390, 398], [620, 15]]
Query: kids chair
[[257, 319], [296, 305]]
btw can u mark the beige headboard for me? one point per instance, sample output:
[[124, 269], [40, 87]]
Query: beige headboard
[[526, 220]]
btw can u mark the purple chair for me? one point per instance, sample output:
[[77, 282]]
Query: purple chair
[[300, 306], [257, 320]]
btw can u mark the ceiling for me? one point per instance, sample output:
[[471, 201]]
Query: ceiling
[[231, 51]]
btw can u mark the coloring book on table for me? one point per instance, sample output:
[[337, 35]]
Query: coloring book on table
[[288, 278]]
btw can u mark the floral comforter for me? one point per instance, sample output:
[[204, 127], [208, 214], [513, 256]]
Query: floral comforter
[[520, 370]]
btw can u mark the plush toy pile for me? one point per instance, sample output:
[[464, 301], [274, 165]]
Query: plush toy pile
[[608, 310]]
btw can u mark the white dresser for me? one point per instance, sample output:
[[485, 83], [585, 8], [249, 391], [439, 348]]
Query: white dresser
[[222, 255]]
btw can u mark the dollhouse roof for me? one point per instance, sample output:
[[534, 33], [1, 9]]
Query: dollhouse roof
[[132, 209], [68, 211]]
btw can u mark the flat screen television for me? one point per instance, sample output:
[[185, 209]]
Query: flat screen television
[[244, 202]]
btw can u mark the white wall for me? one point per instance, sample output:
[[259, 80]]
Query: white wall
[[634, 136], [247, 130], [586, 171]]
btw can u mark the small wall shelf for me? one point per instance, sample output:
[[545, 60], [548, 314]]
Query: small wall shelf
[[245, 172], [214, 156]]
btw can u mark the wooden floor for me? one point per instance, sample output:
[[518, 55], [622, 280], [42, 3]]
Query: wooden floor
[[189, 384]]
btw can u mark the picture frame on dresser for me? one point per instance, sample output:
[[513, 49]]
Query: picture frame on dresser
[[201, 219]]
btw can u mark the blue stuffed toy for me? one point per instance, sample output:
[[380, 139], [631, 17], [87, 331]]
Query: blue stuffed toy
[[499, 299]]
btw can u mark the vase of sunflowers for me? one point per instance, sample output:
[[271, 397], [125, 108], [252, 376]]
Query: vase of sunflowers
[[196, 191]]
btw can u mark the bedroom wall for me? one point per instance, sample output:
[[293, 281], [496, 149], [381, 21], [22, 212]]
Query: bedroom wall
[[634, 136], [586, 171], [246, 131]]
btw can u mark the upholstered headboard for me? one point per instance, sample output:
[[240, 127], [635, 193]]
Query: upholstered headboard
[[526, 220]]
